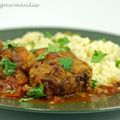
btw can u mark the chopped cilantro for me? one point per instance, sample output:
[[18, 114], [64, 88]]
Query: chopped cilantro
[[66, 63], [63, 41], [54, 48], [8, 66], [66, 48], [25, 99], [33, 50], [41, 57], [98, 56], [51, 49], [37, 92], [117, 63], [48, 34], [8, 44], [94, 83]]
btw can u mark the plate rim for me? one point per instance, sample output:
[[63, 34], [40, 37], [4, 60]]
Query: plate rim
[[61, 28]]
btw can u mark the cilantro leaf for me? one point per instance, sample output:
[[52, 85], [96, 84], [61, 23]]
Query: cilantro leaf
[[8, 66], [37, 92], [66, 62], [8, 44], [32, 50], [63, 41], [52, 48], [66, 48], [94, 83], [48, 34], [41, 57], [98, 56], [117, 63]]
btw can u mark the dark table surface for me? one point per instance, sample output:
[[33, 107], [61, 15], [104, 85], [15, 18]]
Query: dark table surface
[[18, 115]]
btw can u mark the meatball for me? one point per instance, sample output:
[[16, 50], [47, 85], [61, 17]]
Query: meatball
[[57, 80], [23, 58]]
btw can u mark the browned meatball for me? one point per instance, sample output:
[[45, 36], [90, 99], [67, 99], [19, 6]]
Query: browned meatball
[[23, 58], [58, 81]]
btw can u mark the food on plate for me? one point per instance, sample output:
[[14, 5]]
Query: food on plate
[[58, 66], [61, 73]]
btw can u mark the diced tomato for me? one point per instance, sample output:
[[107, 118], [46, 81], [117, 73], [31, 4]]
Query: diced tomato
[[12, 95], [111, 90], [16, 94]]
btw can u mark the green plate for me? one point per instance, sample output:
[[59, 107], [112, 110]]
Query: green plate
[[108, 104]]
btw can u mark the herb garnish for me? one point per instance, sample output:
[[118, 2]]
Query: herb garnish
[[98, 56], [8, 66], [52, 48], [41, 56], [8, 44], [66, 62], [94, 83], [37, 92], [56, 47], [48, 34], [63, 41], [117, 63], [32, 50]]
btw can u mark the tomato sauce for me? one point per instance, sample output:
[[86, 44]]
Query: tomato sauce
[[100, 93], [82, 97]]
